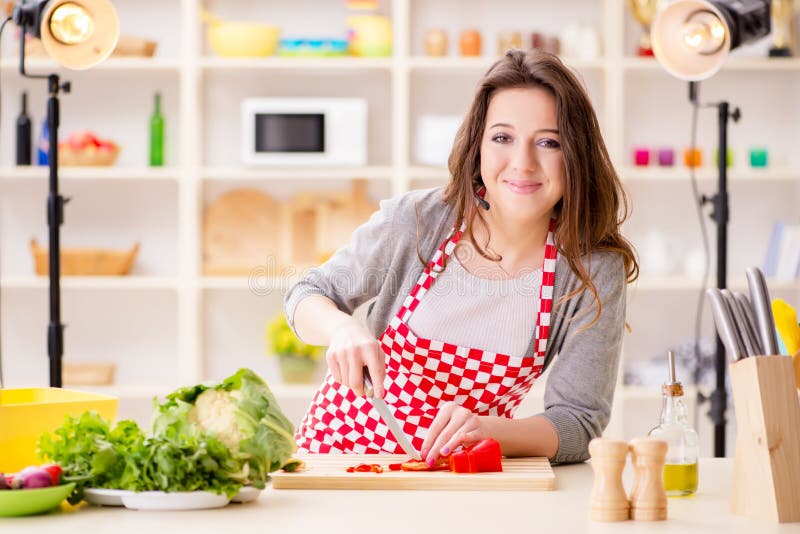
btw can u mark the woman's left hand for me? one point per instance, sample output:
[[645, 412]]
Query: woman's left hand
[[452, 426]]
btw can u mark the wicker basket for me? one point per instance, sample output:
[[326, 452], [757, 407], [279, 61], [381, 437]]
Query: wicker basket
[[95, 374], [86, 261]]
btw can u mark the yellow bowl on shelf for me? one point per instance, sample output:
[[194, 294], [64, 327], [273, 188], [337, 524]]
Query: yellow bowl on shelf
[[26, 413], [243, 39]]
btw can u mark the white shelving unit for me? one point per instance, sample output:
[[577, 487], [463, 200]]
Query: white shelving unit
[[168, 325]]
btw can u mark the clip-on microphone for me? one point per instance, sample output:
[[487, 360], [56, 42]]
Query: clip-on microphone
[[479, 197]]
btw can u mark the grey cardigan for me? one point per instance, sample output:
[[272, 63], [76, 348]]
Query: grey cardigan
[[381, 261]]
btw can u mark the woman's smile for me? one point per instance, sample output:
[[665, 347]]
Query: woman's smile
[[523, 187]]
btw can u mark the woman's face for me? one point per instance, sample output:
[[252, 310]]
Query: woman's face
[[521, 160]]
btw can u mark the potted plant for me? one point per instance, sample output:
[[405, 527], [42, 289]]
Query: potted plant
[[297, 360]]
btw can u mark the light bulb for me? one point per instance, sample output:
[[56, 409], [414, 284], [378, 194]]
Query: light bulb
[[703, 33], [71, 24]]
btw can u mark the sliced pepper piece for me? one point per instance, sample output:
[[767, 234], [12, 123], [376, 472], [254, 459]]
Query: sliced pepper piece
[[483, 457], [487, 455], [395, 467]]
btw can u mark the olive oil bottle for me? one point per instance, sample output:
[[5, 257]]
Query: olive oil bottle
[[680, 468]]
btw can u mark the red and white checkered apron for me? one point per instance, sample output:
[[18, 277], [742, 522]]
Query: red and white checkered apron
[[423, 373]]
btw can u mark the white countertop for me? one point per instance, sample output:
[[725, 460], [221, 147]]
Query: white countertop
[[410, 512]]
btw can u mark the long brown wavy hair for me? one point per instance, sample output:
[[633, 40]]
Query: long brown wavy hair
[[594, 204]]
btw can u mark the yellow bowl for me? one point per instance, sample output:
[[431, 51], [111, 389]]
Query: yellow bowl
[[243, 39], [25, 414]]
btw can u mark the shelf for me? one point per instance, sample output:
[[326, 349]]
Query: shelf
[[291, 63], [671, 283], [636, 64], [91, 282], [484, 62], [295, 173], [37, 65], [656, 174], [38, 172]]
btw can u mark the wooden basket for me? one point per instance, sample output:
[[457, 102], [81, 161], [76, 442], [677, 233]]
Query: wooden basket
[[129, 46], [88, 157], [94, 374], [766, 469], [86, 261]]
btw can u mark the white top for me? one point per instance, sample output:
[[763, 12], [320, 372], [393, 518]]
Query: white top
[[405, 512], [477, 312]]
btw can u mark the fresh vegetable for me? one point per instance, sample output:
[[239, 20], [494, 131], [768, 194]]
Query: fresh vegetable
[[365, 468], [282, 341], [215, 438], [54, 470], [483, 457], [242, 413], [34, 477], [441, 464], [3, 484]]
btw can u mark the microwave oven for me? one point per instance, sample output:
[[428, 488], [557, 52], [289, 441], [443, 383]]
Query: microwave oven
[[304, 131]]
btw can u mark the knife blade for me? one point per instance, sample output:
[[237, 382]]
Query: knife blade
[[725, 327], [389, 419], [747, 312], [746, 342], [759, 295]]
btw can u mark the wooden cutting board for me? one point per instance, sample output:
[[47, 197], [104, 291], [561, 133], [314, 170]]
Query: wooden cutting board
[[328, 471]]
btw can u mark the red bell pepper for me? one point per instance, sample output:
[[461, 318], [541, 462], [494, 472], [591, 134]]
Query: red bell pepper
[[483, 457]]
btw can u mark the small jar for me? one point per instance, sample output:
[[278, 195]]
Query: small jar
[[641, 157], [508, 40], [470, 43], [436, 42], [693, 158]]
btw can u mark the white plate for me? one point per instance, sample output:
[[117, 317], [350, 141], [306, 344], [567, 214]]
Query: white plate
[[246, 494], [105, 497], [185, 500]]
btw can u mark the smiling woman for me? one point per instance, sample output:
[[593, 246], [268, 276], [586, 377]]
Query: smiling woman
[[460, 329]]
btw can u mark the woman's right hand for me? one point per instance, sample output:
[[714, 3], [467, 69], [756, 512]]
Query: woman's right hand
[[351, 349]]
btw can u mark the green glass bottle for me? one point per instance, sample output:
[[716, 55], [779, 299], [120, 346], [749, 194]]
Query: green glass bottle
[[157, 134]]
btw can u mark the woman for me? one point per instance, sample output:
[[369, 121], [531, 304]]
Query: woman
[[480, 285]]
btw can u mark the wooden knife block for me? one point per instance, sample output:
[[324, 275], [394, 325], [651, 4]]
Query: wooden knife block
[[766, 472]]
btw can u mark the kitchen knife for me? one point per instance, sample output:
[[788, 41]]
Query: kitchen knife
[[725, 327], [746, 342], [389, 419], [749, 318], [759, 295]]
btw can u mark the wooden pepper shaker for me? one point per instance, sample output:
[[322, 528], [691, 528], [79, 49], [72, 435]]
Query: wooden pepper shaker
[[608, 501], [649, 499]]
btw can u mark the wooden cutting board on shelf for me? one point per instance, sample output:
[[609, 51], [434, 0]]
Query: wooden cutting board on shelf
[[329, 471], [241, 232]]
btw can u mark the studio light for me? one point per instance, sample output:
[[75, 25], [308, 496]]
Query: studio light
[[692, 38], [78, 34]]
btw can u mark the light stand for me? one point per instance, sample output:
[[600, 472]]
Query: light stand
[[78, 34], [720, 215], [55, 217]]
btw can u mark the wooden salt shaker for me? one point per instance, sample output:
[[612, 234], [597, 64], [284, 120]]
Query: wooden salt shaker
[[608, 501], [649, 503]]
